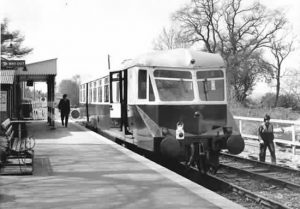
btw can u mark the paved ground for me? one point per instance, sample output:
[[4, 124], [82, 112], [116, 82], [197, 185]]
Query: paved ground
[[76, 168]]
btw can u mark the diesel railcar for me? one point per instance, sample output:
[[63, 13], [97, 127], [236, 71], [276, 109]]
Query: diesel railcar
[[172, 103]]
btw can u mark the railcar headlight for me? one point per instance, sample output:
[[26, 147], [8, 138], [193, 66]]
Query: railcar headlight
[[227, 130], [180, 131], [165, 131]]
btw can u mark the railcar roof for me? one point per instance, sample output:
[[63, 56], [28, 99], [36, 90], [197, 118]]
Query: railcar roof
[[177, 58]]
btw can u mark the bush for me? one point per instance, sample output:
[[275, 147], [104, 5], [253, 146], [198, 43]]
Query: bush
[[288, 101], [268, 100], [285, 101]]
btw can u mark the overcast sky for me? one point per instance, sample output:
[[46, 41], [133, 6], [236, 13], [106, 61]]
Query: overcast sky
[[81, 33]]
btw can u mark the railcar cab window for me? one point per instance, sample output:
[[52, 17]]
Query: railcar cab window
[[174, 85], [211, 85], [151, 92]]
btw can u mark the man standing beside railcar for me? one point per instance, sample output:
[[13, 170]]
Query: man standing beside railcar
[[64, 108], [266, 139]]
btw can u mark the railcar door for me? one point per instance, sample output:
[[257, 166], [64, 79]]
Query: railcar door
[[118, 99]]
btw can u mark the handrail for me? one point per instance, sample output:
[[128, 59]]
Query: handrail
[[295, 122], [293, 142]]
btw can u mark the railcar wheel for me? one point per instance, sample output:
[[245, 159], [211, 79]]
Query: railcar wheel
[[201, 160], [213, 170], [170, 147], [213, 161]]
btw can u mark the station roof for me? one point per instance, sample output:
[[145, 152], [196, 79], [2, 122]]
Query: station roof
[[7, 76], [38, 71], [177, 58]]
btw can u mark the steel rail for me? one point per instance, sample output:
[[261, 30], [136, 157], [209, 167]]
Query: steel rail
[[244, 192], [268, 165], [282, 183], [216, 183]]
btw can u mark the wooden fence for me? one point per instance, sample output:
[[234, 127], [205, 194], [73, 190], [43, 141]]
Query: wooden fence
[[289, 126]]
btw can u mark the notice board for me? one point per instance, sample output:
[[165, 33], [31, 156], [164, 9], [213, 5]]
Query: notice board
[[3, 101]]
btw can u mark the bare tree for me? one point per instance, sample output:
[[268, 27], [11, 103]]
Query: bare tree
[[280, 51], [291, 81], [198, 21], [231, 29], [171, 38]]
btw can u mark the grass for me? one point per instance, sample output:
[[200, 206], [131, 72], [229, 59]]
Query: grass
[[251, 127]]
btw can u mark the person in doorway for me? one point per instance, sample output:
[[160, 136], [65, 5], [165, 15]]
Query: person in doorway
[[64, 108], [266, 137]]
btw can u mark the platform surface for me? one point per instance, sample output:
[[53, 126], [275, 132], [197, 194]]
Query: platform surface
[[77, 168]]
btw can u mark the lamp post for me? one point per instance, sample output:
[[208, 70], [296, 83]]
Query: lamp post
[[6, 36]]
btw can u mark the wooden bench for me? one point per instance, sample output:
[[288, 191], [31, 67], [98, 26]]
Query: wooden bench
[[16, 148]]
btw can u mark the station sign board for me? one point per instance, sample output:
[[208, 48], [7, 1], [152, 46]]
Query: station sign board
[[11, 64]]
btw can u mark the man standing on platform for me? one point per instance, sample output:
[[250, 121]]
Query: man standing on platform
[[266, 137], [64, 108]]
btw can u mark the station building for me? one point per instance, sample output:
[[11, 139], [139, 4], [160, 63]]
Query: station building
[[14, 76]]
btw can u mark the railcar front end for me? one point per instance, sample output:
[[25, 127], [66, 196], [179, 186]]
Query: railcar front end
[[184, 112]]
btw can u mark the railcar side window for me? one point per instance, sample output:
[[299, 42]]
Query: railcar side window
[[106, 93], [90, 93], [94, 92], [106, 90], [83, 93], [211, 85], [142, 84], [99, 91], [80, 93], [118, 92], [174, 85]]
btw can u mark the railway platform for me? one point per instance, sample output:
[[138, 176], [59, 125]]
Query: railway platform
[[77, 168]]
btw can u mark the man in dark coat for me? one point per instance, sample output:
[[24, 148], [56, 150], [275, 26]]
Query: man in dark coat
[[266, 137], [64, 108]]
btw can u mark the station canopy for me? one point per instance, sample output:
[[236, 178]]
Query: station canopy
[[38, 71]]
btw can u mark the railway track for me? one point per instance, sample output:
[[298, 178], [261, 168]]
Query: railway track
[[285, 176], [250, 189], [270, 185], [232, 191]]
